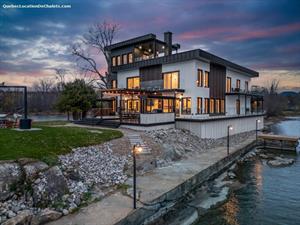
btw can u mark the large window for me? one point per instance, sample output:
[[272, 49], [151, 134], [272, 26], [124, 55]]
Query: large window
[[171, 80], [154, 105], [114, 84], [168, 105], [199, 105], [222, 106], [228, 84], [186, 105], [124, 59], [133, 82], [200, 78], [206, 105], [217, 106], [114, 62], [212, 106], [205, 79], [130, 58], [118, 60], [238, 84]]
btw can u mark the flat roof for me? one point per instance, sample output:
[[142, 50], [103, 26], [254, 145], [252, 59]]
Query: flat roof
[[198, 54]]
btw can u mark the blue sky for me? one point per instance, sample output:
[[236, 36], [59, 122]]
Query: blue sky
[[263, 35]]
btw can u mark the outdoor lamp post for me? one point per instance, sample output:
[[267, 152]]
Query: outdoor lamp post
[[136, 150], [256, 130], [229, 128]]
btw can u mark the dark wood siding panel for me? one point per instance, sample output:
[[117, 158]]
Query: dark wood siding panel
[[151, 73], [217, 81]]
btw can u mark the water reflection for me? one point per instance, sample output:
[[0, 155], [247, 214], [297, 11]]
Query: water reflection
[[231, 209], [270, 196]]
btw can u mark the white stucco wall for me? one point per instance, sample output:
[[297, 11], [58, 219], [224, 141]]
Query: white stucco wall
[[237, 75], [188, 80], [157, 118]]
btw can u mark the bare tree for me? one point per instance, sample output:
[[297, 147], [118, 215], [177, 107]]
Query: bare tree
[[60, 76], [43, 86], [98, 37]]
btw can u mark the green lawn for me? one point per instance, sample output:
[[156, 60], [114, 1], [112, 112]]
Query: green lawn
[[49, 142]]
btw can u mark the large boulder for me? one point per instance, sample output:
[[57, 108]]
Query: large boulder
[[32, 169], [10, 176], [45, 216], [278, 161], [23, 218], [49, 186]]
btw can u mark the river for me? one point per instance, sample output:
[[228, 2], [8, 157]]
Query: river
[[270, 196]]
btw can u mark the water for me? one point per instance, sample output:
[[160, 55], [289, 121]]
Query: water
[[48, 117], [270, 196]]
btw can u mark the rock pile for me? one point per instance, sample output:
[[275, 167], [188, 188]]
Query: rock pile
[[178, 143], [31, 192]]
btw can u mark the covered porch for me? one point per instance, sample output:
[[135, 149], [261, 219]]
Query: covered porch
[[141, 106]]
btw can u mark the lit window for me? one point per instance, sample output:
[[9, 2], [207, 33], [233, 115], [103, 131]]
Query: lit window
[[168, 105], [119, 60], [133, 82], [154, 105], [212, 106], [206, 105], [114, 84], [130, 58], [205, 79], [114, 61], [238, 84], [228, 84], [171, 80], [200, 78], [217, 106], [199, 105], [186, 105], [124, 59], [222, 106]]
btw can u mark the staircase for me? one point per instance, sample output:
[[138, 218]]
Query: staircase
[[99, 122], [136, 140]]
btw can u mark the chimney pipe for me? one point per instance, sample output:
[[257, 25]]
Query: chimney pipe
[[168, 41]]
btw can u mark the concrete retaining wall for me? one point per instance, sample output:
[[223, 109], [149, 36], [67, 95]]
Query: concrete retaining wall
[[160, 206], [217, 128]]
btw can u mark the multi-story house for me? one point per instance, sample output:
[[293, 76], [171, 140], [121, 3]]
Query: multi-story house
[[153, 84]]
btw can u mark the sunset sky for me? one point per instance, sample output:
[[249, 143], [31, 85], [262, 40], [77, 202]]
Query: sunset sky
[[263, 35]]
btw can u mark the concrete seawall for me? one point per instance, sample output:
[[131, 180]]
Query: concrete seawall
[[155, 209]]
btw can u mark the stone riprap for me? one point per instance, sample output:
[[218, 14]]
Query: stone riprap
[[177, 143], [34, 193]]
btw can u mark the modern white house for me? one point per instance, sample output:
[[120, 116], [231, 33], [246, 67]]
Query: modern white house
[[154, 85]]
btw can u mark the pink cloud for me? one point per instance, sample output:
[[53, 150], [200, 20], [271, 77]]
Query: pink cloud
[[240, 33], [267, 32]]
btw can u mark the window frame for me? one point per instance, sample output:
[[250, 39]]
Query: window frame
[[228, 89], [114, 61], [187, 111], [119, 57], [212, 106], [238, 84], [130, 58], [133, 78], [124, 56], [199, 105], [171, 72], [199, 78], [206, 105], [206, 81]]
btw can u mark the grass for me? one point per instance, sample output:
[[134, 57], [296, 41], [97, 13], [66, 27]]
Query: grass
[[49, 142]]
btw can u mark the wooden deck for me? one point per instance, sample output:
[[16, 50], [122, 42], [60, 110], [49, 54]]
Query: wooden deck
[[280, 142]]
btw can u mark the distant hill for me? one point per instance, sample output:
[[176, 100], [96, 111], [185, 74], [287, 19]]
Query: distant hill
[[289, 93]]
